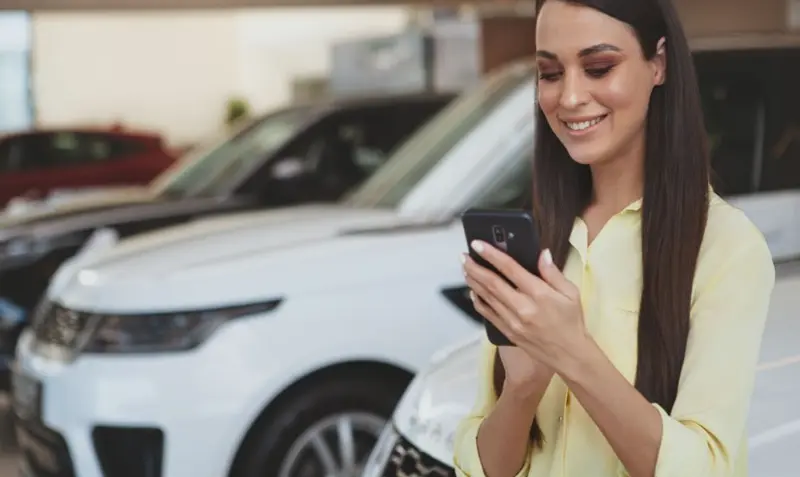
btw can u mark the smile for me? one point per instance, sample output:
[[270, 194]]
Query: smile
[[584, 125]]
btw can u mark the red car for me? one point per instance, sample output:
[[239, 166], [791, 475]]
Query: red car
[[34, 163]]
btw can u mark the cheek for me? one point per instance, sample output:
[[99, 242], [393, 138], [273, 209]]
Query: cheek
[[548, 98], [623, 96]]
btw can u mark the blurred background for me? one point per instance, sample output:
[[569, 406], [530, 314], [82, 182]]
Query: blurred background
[[106, 104]]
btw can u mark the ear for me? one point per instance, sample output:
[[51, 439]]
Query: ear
[[659, 62]]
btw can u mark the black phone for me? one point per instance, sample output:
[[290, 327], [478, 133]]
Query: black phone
[[512, 231]]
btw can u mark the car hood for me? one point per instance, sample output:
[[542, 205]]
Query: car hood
[[439, 397], [232, 259], [21, 212]]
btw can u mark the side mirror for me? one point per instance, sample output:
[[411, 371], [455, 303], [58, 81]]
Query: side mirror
[[288, 168]]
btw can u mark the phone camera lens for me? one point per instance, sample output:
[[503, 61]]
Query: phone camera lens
[[499, 234]]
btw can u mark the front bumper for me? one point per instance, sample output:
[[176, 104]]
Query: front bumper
[[396, 456], [43, 452], [143, 416]]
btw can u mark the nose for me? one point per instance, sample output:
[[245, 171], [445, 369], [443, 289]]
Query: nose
[[574, 92]]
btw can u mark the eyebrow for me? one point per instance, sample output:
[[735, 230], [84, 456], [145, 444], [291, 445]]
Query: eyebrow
[[599, 48]]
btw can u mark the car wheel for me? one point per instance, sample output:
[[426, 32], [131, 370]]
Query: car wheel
[[327, 429]]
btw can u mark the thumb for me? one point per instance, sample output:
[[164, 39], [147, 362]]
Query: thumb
[[552, 275]]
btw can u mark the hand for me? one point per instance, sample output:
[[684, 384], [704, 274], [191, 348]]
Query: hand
[[542, 316], [524, 374]]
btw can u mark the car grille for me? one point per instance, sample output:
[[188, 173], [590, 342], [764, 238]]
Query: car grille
[[408, 461], [55, 325], [129, 451]]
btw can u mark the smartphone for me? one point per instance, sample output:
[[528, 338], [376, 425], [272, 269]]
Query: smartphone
[[512, 231]]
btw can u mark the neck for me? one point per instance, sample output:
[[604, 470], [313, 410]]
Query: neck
[[619, 182]]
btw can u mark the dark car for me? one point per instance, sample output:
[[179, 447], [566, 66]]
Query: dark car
[[34, 163], [304, 153]]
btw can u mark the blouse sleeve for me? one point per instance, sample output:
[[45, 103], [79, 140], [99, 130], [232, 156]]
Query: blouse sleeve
[[466, 460], [707, 426]]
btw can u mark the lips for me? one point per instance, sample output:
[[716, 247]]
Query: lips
[[583, 124]]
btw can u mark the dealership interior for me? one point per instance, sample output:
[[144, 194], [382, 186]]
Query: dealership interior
[[230, 232]]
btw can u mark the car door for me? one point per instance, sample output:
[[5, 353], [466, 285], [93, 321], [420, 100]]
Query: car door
[[751, 110]]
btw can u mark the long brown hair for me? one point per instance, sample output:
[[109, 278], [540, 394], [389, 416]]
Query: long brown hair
[[674, 206]]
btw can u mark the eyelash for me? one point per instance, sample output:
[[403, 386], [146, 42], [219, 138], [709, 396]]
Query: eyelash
[[592, 72], [599, 72]]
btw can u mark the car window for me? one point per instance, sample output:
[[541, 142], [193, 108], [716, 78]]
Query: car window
[[385, 127], [8, 161], [780, 163], [95, 148], [751, 113], [341, 150], [63, 149], [331, 158], [514, 189], [731, 97], [122, 146], [213, 168], [421, 152], [359, 141]]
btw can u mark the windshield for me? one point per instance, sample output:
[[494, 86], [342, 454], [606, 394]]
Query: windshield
[[420, 154], [211, 169]]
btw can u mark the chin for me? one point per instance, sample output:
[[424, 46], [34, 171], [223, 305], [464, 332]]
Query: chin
[[587, 155]]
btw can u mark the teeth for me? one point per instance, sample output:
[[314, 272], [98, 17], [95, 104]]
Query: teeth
[[585, 124]]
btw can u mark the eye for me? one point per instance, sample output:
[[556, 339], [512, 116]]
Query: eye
[[549, 76], [599, 72]]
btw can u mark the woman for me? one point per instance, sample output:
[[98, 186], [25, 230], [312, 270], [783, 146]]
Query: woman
[[637, 347]]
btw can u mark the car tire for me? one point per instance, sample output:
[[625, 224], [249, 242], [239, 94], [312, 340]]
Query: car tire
[[273, 440]]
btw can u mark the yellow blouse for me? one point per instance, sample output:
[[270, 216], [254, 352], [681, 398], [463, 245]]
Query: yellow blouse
[[705, 436]]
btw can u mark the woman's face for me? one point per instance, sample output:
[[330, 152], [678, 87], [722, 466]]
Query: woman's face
[[594, 82]]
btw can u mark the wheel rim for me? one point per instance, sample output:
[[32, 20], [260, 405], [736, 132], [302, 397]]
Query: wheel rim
[[337, 446]]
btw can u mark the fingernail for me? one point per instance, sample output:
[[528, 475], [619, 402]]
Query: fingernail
[[548, 257], [472, 295], [463, 258], [478, 246]]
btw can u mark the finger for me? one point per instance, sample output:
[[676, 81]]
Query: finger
[[483, 295], [491, 309], [525, 281], [513, 319], [494, 284], [554, 277], [486, 310]]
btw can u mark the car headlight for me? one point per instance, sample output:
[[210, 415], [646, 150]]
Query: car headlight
[[167, 332], [417, 426], [379, 457]]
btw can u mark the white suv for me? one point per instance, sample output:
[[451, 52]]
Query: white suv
[[271, 343]]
